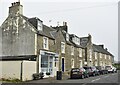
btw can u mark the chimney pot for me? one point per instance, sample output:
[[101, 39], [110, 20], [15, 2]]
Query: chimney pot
[[12, 4], [106, 49], [64, 23]]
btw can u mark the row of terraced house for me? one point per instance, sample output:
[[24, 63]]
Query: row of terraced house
[[52, 48]]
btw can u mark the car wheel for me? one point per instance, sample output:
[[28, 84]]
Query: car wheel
[[93, 74], [82, 76]]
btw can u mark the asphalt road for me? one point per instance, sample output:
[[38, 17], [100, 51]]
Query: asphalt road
[[106, 78]]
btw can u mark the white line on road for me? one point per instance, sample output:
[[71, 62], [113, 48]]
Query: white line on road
[[106, 76], [95, 79]]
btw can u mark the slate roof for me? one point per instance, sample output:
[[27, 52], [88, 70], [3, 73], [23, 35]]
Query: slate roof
[[46, 30], [99, 49]]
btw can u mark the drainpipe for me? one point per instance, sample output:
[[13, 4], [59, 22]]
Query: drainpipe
[[21, 72]]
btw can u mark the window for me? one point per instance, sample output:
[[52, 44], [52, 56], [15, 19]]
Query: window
[[109, 56], [76, 40], [105, 56], [80, 63], [67, 36], [95, 55], [80, 52], [62, 47], [100, 55], [72, 50], [45, 43], [39, 25], [72, 63], [95, 63], [90, 53]]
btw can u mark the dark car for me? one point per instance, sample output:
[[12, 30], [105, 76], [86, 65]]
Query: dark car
[[92, 70], [78, 73], [102, 70]]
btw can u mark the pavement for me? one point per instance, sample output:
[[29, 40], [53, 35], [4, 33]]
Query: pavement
[[50, 79]]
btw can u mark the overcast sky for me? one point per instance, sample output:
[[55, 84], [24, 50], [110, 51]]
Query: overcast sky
[[97, 17]]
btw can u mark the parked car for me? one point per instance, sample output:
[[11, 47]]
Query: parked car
[[111, 69], [92, 70], [78, 73], [102, 70]]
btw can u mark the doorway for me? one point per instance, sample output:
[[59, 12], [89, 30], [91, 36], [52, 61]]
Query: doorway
[[63, 64]]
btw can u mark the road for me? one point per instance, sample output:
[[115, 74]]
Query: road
[[106, 78]]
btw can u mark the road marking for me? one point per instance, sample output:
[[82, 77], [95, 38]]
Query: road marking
[[106, 76], [95, 79]]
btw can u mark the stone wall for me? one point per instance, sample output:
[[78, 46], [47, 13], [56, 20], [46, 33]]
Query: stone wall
[[18, 37]]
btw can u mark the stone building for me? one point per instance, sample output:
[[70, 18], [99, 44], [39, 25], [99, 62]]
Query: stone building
[[53, 48], [68, 48], [23, 36], [96, 55]]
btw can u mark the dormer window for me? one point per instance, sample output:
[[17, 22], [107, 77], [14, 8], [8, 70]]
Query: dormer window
[[67, 37], [39, 25], [76, 40]]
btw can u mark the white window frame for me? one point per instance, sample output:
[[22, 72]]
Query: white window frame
[[109, 57], [45, 43], [100, 55], [39, 25], [95, 55], [62, 47], [90, 53], [72, 63], [67, 36], [105, 56], [96, 64], [81, 63], [72, 50], [80, 52]]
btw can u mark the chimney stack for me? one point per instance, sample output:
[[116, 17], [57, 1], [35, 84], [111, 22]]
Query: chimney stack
[[16, 8]]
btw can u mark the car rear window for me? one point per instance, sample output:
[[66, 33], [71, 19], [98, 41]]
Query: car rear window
[[74, 70], [108, 67], [86, 68]]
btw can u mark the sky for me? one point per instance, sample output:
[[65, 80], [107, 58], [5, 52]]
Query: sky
[[97, 17]]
